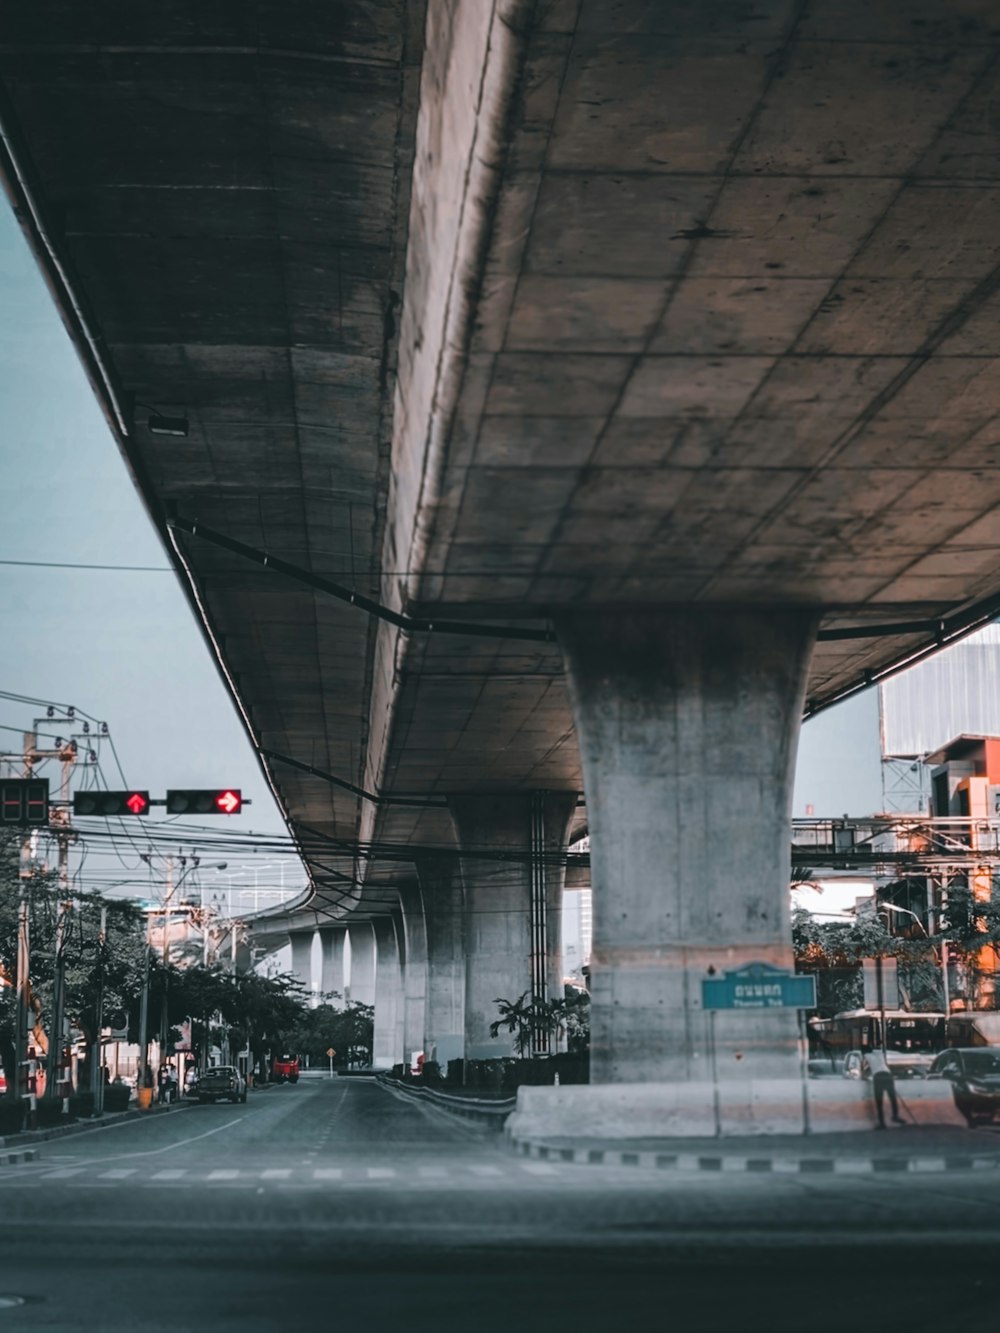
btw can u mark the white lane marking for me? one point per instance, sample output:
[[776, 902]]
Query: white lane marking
[[223, 1175], [538, 1168], [328, 1173], [174, 1173], [169, 1147], [380, 1173], [485, 1170], [276, 1174], [118, 1173], [63, 1173], [432, 1172]]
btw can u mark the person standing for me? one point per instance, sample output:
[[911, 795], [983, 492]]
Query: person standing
[[876, 1067]]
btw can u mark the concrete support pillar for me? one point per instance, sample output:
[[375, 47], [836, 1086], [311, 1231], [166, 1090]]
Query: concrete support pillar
[[444, 1027], [688, 722], [302, 943], [557, 812], [414, 1009], [495, 839], [332, 939], [388, 1044], [362, 964]]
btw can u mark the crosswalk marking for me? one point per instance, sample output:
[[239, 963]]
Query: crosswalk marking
[[454, 1175]]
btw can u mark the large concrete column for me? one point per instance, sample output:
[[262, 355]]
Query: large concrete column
[[331, 939], [302, 943], [557, 812], [387, 1044], [444, 1027], [362, 989], [414, 1010], [688, 721], [495, 839]]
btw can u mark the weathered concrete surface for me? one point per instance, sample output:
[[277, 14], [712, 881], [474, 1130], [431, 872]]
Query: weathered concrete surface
[[700, 1109], [688, 721], [301, 969], [387, 1047], [332, 940], [494, 836], [444, 913], [415, 978], [362, 963]]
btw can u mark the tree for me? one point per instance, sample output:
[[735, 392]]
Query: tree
[[348, 1031]]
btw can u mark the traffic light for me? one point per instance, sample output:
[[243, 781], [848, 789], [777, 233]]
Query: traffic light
[[217, 801], [24, 801], [111, 803]]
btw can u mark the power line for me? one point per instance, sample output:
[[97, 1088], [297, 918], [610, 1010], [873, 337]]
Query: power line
[[71, 564]]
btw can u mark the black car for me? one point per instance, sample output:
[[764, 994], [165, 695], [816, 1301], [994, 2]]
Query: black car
[[974, 1075]]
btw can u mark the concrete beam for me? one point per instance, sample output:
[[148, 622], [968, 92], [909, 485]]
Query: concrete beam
[[688, 720]]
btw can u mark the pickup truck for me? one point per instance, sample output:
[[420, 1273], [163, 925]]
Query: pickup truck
[[223, 1082]]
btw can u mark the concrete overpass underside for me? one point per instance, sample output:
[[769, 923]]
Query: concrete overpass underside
[[668, 330]]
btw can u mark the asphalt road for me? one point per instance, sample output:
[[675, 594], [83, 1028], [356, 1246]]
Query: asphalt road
[[338, 1204]]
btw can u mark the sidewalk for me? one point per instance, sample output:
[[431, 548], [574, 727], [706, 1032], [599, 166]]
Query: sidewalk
[[901, 1148]]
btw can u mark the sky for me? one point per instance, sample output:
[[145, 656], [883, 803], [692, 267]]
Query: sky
[[123, 645]]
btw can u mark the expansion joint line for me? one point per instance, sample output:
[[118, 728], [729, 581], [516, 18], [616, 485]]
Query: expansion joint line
[[410, 624]]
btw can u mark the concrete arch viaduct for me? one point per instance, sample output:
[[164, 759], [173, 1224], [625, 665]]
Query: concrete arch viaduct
[[578, 392]]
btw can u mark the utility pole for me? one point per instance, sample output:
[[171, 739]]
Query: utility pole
[[60, 823], [23, 1026], [96, 1050]]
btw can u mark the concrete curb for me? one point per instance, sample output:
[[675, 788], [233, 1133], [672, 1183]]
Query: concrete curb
[[739, 1163], [18, 1158]]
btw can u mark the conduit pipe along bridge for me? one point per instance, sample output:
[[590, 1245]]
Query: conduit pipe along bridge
[[576, 393]]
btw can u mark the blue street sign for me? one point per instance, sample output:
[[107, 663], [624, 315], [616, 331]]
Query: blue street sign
[[759, 986]]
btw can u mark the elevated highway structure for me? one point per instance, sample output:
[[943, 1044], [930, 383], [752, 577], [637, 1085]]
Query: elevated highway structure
[[654, 344]]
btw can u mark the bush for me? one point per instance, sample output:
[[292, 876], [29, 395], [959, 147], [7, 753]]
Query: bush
[[117, 1097], [50, 1113], [81, 1105], [11, 1115]]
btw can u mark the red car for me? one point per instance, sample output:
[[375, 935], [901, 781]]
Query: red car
[[285, 1068]]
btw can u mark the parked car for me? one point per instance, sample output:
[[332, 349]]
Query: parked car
[[974, 1075], [223, 1082]]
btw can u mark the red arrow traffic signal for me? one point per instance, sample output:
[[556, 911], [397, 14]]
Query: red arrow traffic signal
[[229, 802], [205, 801], [137, 802]]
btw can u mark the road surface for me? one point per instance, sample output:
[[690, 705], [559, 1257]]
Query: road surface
[[338, 1204]]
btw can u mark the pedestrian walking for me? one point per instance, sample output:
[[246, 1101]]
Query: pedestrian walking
[[875, 1067]]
